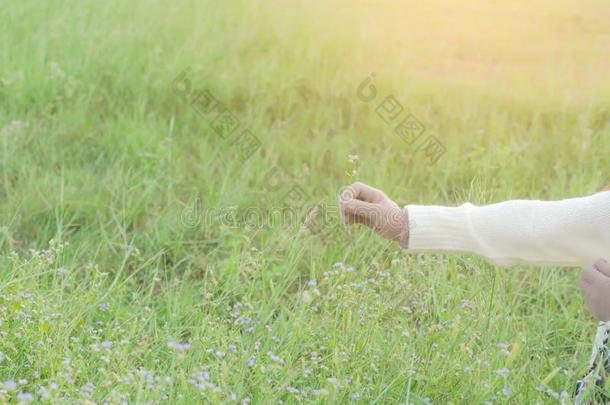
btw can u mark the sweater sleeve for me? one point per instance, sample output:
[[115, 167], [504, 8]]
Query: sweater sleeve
[[573, 232]]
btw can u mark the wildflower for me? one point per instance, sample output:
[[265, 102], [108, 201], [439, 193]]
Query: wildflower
[[25, 397], [320, 393], [405, 333], [311, 283], [307, 298], [9, 385], [503, 372], [172, 344], [275, 358], [504, 348], [43, 392]]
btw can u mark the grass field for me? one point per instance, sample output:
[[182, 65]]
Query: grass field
[[134, 264]]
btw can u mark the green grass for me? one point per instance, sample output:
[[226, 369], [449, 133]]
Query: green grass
[[109, 264]]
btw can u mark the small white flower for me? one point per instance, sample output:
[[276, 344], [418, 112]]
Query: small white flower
[[503, 372], [307, 298], [320, 393], [504, 348], [275, 358], [178, 346]]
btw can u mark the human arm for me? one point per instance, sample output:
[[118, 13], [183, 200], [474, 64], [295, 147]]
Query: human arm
[[572, 232]]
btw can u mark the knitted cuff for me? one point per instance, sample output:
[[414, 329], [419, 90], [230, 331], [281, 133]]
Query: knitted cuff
[[404, 235], [434, 228]]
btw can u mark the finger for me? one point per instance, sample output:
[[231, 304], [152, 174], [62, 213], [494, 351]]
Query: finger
[[603, 267], [591, 276], [348, 210], [367, 193], [356, 207], [361, 212], [358, 219]]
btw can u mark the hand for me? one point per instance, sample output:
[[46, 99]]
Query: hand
[[594, 283], [362, 204]]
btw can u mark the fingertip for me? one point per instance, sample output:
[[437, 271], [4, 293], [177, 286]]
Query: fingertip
[[354, 207], [592, 276], [356, 186], [585, 275], [346, 193]]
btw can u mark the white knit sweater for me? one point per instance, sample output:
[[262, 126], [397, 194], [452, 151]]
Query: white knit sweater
[[573, 232]]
